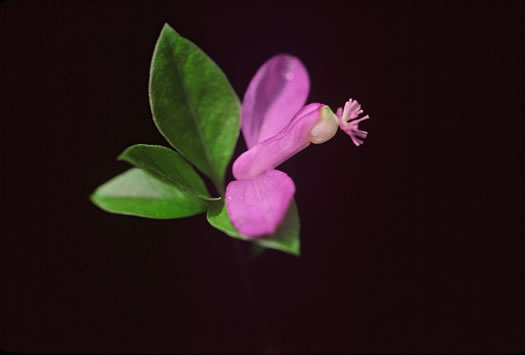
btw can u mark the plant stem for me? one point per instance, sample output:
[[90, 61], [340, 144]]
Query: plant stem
[[270, 347]]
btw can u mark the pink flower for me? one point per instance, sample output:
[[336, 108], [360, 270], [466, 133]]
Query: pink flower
[[276, 126]]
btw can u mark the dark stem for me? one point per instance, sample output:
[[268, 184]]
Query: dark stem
[[270, 347], [220, 188]]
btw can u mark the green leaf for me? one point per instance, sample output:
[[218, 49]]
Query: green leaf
[[137, 193], [285, 239], [167, 166], [218, 218], [193, 104]]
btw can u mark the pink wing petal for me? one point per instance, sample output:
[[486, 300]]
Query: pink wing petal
[[280, 147], [277, 91], [257, 206]]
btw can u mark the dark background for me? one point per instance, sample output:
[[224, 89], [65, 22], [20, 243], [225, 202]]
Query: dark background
[[412, 242]]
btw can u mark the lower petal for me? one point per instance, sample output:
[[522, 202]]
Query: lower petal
[[257, 206]]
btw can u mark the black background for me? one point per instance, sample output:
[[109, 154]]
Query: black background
[[411, 242]]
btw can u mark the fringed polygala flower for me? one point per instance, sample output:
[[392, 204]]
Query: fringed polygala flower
[[276, 126]]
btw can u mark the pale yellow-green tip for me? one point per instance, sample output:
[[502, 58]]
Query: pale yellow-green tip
[[325, 128]]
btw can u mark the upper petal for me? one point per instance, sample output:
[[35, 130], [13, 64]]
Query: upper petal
[[277, 91], [257, 206]]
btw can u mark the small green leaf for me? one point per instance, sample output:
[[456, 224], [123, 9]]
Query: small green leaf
[[218, 218], [167, 166], [285, 239], [137, 193], [193, 104]]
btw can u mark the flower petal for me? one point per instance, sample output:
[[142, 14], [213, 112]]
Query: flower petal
[[277, 91], [257, 206], [279, 148]]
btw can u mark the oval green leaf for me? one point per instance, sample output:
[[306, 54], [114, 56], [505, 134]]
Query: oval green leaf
[[137, 193], [193, 104], [167, 166], [285, 239]]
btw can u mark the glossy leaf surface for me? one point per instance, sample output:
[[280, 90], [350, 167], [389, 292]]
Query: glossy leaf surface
[[137, 193], [193, 104], [167, 166]]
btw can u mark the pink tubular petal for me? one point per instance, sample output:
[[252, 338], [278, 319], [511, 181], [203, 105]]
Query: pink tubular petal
[[275, 150], [277, 91], [257, 206]]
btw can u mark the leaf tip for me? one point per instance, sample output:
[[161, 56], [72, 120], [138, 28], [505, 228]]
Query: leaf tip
[[296, 253], [94, 198], [125, 153], [167, 27]]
